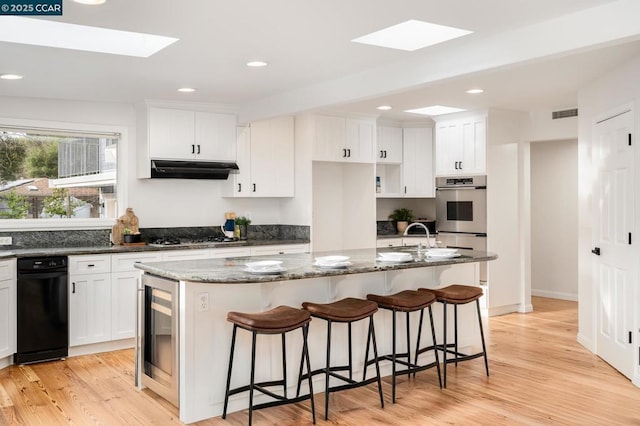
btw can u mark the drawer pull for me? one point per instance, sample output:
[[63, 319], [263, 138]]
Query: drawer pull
[[74, 288], [91, 265]]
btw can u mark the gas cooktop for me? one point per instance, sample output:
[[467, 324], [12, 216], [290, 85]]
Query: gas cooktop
[[172, 241]]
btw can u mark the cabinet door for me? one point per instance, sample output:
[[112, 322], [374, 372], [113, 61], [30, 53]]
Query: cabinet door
[[214, 136], [124, 293], [7, 308], [389, 145], [89, 309], [417, 166], [360, 142], [473, 146], [239, 184], [330, 139], [272, 158], [448, 148], [171, 134]]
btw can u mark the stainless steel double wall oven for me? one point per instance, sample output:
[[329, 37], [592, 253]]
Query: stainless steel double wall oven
[[461, 213]]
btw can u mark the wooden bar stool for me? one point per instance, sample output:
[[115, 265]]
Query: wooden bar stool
[[347, 311], [279, 320], [408, 301], [458, 295]]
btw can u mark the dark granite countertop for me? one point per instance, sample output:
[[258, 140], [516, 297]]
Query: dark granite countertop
[[67, 251], [296, 266]]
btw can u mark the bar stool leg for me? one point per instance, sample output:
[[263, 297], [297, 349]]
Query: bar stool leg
[[408, 344], [372, 333], [284, 365], [444, 344], [326, 372], [484, 349], [393, 360], [418, 342], [305, 350], [226, 393], [253, 373], [435, 350], [350, 354]]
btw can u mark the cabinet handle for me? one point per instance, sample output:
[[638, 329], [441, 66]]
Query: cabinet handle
[[91, 265], [405, 189], [254, 187], [381, 154], [74, 288], [239, 187], [460, 165], [193, 149], [348, 152], [344, 153], [198, 148]]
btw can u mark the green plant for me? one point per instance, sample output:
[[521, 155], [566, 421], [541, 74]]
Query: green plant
[[243, 221], [60, 203], [126, 231], [401, 215], [17, 204]]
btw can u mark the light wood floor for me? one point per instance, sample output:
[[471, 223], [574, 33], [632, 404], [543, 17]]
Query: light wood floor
[[539, 375]]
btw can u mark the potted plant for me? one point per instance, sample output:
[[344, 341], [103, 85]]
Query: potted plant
[[402, 217], [129, 236], [242, 224]]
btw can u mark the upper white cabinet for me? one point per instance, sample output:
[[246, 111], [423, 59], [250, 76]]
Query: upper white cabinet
[[265, 156], [461, 146], [389, 145], [191, 135], [417, 162], [7, 307], [343, 139]]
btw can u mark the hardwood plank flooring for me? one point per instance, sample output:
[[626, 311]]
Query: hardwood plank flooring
[[539, 375]]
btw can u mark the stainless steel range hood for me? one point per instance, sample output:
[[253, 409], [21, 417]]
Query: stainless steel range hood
[[172, 169]]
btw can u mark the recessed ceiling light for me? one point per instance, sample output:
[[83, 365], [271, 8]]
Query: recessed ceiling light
[[91, 2], [10, 77], [40, 32], [474, 91], [186, 89], [435, 110], [384, 108], [257, 64], [411, 35]]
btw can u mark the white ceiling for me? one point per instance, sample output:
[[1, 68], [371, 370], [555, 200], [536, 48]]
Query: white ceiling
[[313, 64]]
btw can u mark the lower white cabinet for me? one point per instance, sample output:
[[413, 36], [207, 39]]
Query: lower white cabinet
[[186, 254], [279, 249], [389, 242], [7, 307], [222, 253], [89, 308]]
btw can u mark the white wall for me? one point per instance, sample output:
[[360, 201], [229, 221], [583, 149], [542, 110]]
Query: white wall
[[619, 87], [554, 224], [157, 202]]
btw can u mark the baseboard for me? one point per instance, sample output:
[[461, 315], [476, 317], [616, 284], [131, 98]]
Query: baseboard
[[102, 347], [6, 361], [555, 295], [503, 310], [524, 309], [587, 343]]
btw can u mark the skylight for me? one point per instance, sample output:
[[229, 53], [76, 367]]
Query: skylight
[[40, 32], [435, 110], [411, 35]]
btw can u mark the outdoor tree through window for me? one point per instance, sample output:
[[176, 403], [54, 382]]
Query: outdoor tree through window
[[48, 175]]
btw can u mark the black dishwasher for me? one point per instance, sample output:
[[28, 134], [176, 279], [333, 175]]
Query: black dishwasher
[[43, 309]]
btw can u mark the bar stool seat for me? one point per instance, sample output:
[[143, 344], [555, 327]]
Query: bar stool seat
[[408, 301], [455, 295], [279, 320], [348, 310]]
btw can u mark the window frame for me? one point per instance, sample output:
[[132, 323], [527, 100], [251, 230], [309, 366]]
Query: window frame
[[8, 225]]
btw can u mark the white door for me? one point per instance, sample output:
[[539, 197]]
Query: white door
[[615, 270]]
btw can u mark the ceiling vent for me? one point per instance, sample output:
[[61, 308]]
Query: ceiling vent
[[565, 113]]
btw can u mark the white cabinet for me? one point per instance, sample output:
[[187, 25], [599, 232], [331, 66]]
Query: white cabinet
[[389, 145], [271, 250], [388, 242], [417, 162], [226, 252], [7, 307], [190, 135], [461, 146], [343, 139], [89, 299], [185, 254], [265, 156], [124, 285]]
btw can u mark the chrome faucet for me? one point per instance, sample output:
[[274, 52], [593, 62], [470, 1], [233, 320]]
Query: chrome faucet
[[406, 232]]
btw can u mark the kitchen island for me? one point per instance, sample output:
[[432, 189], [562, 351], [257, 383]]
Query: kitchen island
[[205, 290]]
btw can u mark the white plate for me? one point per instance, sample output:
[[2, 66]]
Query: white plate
[[330, 260], [395, 257], [382, 259], [335, 265], [443, 256], [441, 251], [272, 271], [264, 265]]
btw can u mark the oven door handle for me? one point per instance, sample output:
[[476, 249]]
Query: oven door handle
[[457, 188]]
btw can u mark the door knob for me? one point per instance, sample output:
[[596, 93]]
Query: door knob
[[596, 251]]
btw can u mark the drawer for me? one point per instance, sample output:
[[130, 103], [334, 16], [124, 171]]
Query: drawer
[[389, 242], [89, 264], [279, 249], [221, 253], [126, 262]]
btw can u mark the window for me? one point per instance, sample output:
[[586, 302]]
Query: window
[[49, 174]]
